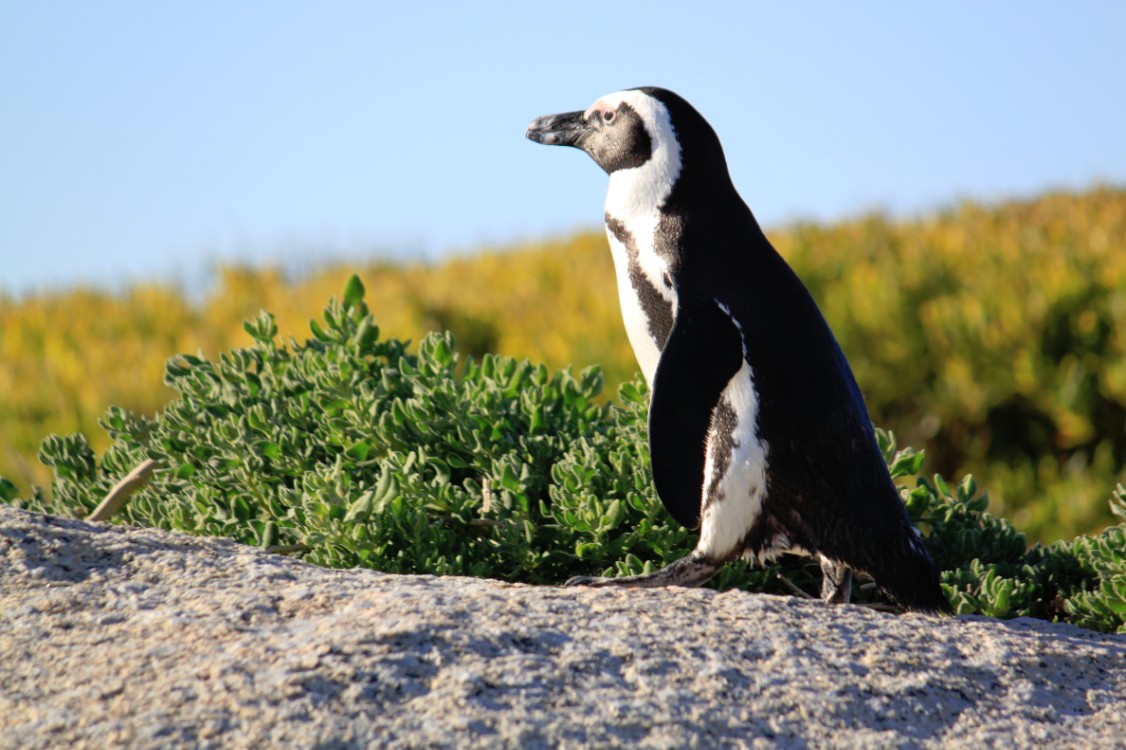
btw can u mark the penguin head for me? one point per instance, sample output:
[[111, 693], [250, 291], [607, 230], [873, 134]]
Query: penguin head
[[623, 130], [640, 137]]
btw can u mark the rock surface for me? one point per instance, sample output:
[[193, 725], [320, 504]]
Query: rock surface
[[116, 637]]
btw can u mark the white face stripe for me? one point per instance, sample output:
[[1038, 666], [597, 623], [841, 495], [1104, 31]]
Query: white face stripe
[[634, 198], [643, 190]]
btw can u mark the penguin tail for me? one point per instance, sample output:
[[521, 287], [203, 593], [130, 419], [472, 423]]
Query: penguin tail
[[910, 578], [896, 558]]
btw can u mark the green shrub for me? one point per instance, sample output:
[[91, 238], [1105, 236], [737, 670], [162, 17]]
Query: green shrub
[[358, 452]]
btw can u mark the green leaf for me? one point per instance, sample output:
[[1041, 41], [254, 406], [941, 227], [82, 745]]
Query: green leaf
[[1118, 501], [318, 332], [269, 534], [967, 488], [8, 491], [361, 509], [359, 450], [586, 549], [269, 449], [907, 463], [509, 480], [354, 291]]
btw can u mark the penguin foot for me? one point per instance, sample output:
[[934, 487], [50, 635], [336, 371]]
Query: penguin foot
[[836, 584], [689, 572]]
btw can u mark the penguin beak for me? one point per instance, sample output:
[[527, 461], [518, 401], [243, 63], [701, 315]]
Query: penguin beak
[[558, 130]]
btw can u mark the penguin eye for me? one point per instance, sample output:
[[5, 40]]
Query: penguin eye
[[608, 116]]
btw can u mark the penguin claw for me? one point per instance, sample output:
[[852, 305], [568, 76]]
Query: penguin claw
[[688, 572], [836, 585], [589, 581]]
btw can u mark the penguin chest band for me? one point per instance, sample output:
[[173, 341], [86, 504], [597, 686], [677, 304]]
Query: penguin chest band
[[645, 290]]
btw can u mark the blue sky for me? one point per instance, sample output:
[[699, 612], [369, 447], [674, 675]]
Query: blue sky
[[153, 139]]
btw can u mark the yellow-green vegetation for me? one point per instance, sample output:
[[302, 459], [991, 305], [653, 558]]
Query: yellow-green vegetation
[[995, 336], [65, 357]]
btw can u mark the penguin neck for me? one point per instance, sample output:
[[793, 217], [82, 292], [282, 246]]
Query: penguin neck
[[638, 195], [637, 198], [642, 190]]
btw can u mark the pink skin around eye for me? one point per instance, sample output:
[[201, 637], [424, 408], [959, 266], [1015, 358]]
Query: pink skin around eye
[[599, 107]]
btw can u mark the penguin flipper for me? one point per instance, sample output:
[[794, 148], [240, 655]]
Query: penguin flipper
[[703, 352]]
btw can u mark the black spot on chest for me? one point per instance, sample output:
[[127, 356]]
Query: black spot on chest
[[666, 242], [658, 310]]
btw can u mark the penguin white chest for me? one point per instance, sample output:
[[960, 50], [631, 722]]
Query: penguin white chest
[[735, 470]]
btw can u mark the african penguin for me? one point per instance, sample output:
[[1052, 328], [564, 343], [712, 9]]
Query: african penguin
[[758, 433]]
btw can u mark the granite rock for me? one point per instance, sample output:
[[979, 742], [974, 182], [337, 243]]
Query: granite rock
[[120, 637]]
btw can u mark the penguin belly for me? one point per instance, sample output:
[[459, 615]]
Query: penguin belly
[[735, 483]]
